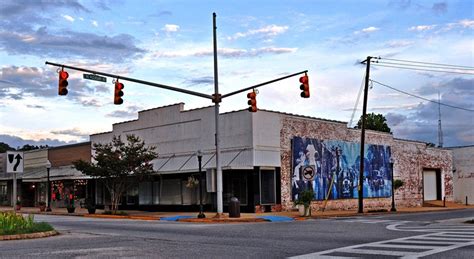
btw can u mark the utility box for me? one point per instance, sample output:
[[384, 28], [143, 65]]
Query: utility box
[[234, 208]]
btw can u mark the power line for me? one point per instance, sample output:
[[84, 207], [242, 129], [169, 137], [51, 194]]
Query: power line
[[415, 65], [420, 62], [422, 69], [419, 97], [357, 101]]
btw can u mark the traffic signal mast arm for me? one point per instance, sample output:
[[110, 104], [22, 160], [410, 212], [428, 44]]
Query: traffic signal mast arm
[[132, 80], [262, 84]]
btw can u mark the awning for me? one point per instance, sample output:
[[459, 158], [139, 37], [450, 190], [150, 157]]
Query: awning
[[39, 174], [183, 163]]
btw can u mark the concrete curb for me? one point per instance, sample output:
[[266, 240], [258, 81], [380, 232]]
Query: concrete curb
[[223, 220], [118, 217], [29, 235]]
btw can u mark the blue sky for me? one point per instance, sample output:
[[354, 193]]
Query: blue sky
[[170, 42]]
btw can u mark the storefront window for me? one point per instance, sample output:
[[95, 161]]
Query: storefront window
[[171, 192], [132, 194], [145, 193], [3, 194], [267, 187]]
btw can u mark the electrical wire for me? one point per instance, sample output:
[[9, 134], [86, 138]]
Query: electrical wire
[[422, 98], [357, 101], [420, 62], [422, 69], [414, 65]]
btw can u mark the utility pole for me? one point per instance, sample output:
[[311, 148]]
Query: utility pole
[[220, 207], [362, 137], [440, 130]]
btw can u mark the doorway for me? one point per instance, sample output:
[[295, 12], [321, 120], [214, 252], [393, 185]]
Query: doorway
[[431, 185]]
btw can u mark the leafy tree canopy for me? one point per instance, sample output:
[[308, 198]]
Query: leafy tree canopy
[[374, 121], [118, 163], [27, 147], [4, 147]]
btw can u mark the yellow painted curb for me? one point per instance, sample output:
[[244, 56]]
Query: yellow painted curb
[[29, 235]]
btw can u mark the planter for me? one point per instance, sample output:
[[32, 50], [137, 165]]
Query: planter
[[71, 210], [303, 212], [91, 210], [42, 208], [18, 207]]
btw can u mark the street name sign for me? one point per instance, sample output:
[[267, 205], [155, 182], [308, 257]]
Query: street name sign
[[14, 162], [94, 77]]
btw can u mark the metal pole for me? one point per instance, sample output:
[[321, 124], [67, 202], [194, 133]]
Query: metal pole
[[14, 199], [201, 210], [362, 138], [393, 190], [49, 192], [218, 150]]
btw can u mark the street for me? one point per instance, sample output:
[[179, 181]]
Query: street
[[433, 234]]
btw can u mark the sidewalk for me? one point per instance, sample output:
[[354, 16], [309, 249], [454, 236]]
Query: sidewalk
[[244, 217]]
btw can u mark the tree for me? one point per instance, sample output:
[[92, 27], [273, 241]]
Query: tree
[[27, 147], [117, 164], [4, 147], [374, 122]]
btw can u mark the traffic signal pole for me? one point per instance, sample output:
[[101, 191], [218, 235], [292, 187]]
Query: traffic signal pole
[[362, 138], [216, 98]]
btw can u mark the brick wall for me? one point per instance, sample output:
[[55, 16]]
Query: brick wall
[[65, 155], [410, 160]]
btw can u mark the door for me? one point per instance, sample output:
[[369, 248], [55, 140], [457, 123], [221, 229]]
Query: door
[[430, 185]]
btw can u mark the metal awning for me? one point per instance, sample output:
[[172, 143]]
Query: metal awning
[[184, 163], [39, 174]]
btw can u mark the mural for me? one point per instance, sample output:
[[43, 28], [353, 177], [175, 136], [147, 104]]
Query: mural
[[331, 169]]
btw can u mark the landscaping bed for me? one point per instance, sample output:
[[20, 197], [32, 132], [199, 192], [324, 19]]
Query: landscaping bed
[[15, 224]]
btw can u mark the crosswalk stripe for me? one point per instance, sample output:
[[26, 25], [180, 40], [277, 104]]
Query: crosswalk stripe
[[449, 238], [377, 252], [433, 242], [451, 235], [402, 246]]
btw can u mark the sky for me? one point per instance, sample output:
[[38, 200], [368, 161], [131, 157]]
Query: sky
[[170, 42]]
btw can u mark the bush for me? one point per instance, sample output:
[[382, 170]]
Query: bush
[[42, 203], [113, 212], [397, 184], [12, 223]]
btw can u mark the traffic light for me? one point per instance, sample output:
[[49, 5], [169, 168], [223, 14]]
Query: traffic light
[[252, 101], [62, 86], [304, 86], [118, 92]]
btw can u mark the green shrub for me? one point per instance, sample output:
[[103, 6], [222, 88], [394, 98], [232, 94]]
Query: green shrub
[[397, 184], [12, 223], [118, 212]]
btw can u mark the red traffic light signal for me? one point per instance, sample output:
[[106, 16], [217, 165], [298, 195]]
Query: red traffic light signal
[[304, 80], [252, 101], [118, 93], [62, 86]]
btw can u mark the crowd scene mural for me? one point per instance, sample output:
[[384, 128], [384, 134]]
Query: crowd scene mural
[[330, 168]]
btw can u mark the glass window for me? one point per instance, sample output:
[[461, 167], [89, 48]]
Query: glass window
[[99, 193], [132, 194], [156, 192], [267, 187], [190, 195], [145, 192], [171, 192]]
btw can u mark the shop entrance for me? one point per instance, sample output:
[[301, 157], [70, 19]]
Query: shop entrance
[[431, 185]]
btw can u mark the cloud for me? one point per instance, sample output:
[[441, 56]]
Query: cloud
[[37, 82], [422, 28], [400, 4], [440, 8], [15, 8], [75, 44], [205, 80], [171, 28], [95, 23], [266, 32], [367, 30], [421, 122], [399, 43], [15, 141], [130, 112], [225, 52], [35, 106], [75, 132], [161, 13], [67, 17]]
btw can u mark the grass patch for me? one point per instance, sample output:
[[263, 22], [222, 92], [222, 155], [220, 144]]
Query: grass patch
[[12, 224], [118, 213]]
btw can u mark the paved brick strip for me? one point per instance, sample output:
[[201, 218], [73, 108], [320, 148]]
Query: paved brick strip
[[29, 235]]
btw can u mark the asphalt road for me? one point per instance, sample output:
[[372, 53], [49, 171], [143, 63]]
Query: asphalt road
[[434, 234]]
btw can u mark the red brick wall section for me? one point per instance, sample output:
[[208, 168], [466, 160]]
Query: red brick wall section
[[410, 160], [63, 156]]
